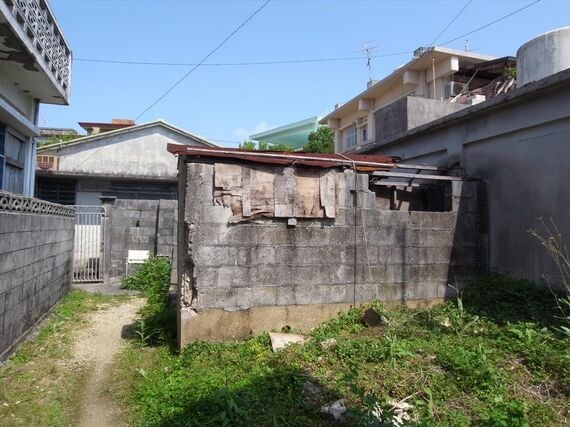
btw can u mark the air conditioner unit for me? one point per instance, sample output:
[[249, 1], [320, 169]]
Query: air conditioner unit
[[47, 163], [455, 88]]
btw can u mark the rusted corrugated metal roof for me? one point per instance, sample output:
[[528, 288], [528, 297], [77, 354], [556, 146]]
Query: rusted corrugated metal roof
[[362, 162]]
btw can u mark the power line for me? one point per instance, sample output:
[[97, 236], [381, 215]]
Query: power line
[[450, 23], [224, 41], [230, 64], [491, 23]]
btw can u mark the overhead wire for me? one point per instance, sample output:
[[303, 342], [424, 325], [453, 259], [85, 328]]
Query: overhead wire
[[450, 23], [224, 41], [228, 64], [491, 23]]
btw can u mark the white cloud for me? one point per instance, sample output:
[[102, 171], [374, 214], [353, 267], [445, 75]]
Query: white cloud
[[242, 134]]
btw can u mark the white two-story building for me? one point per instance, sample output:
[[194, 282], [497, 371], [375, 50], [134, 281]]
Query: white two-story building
[[35, 68], [436, 82]]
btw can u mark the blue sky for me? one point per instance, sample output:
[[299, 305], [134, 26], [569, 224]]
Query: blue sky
[[228, 103]]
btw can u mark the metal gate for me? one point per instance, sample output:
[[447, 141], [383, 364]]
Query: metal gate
[[88, 250]]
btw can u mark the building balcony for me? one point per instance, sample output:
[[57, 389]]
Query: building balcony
[[407, 113], [34, 54]]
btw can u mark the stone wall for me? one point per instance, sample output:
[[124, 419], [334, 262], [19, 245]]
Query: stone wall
[[36, 257], [261, 275], [133, 224]]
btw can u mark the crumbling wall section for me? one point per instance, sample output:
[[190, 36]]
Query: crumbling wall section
[[360, 255]]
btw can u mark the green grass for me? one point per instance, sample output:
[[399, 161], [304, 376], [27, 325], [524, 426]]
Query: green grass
[[492, 357], [40, 385]]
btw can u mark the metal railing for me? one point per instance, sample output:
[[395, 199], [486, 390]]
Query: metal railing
[[39, 25]]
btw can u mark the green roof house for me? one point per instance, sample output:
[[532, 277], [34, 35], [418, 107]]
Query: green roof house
[[294, 135]]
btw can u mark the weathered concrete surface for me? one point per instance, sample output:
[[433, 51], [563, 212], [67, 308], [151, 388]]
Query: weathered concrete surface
[[137, 153], [407, 113], [35, 270], [518, 144], [298, 276], [543, 56], [217, 324], [133, 224]]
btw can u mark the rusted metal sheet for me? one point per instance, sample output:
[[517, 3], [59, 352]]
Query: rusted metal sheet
[[358, 161]]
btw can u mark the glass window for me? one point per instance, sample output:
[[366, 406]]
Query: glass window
[[364, 134], [350, 137], [14, 159]]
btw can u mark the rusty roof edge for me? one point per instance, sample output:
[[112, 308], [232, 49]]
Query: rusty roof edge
[[359, 159]]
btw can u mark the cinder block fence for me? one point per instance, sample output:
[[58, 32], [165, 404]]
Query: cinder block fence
[[36, 262]]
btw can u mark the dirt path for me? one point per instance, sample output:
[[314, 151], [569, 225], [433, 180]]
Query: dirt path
[[95, 347]]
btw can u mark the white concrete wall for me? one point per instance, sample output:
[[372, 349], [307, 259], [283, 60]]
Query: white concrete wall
[[139, 153]]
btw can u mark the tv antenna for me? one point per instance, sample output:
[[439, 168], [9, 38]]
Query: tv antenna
[[368, 52]]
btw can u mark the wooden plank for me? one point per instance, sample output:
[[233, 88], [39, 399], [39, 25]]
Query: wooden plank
[[285, 189], [246, 191], [417, 176], [328, 192], [308, 196], [262, 198]]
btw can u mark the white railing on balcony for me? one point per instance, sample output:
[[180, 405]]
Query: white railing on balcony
[[39, 25]]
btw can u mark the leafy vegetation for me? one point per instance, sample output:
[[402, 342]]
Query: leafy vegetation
[[158, 318], [265, 146], [59, 138], [320, 141], [494, 356], [40, 384]]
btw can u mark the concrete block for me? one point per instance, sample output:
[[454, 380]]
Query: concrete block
[[215, 255], [257, 297], [232, 276], [271, 275], [216, 214], [362, 182], [285, 295], [226, 298]]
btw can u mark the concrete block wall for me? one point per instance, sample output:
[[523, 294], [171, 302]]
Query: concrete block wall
[[36, 262], [361, 255], [133, 224]]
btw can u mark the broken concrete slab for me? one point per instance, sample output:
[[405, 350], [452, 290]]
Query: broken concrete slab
[[279, 340], [336, 409]]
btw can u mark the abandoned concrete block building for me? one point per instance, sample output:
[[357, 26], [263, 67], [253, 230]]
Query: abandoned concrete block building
[[274, 240]]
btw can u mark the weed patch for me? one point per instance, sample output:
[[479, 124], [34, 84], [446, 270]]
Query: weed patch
[[492, 357], [158, 319]]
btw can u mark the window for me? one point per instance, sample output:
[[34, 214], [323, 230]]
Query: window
[[56, 191], [349, 135], [364, 134], [14, 163]]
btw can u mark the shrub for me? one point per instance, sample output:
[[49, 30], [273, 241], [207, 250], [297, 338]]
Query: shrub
[[158, 323]]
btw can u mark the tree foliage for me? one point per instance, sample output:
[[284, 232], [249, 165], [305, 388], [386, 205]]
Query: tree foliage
[[320, 141], [264, 146]]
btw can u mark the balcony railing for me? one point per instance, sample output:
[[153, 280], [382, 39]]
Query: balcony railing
[[38, 25]]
